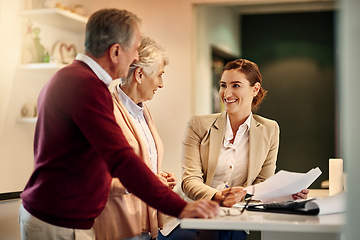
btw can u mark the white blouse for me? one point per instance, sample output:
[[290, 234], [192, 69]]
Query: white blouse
[[136, 111], [232, 167]]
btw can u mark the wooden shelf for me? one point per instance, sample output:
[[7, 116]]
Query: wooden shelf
[[41, 66], [57, 18], [26, 120]]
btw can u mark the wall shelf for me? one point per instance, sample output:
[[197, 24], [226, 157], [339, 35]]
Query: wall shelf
[[26, 120], [41, 66], [57, 18]]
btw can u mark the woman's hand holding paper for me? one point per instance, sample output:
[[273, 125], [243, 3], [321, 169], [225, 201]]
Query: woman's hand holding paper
[[301, 195]]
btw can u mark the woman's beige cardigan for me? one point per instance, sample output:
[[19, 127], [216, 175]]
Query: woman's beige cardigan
[[125, 215]]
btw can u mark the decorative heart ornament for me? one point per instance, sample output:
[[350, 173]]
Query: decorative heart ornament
[[64, 52]]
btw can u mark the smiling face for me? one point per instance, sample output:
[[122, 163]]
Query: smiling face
[[236, 92], [150, 83]]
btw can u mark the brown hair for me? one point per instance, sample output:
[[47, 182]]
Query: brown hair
[[252, 74]]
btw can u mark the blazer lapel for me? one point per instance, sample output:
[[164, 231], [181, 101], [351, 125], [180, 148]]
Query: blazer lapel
[[217, 133], [120, 106], [255, 136]]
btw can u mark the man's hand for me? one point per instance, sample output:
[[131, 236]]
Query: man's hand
[[200, 209]]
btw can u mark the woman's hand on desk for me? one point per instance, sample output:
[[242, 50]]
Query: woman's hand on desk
[[229, 196], [301, 195], [200, 209]]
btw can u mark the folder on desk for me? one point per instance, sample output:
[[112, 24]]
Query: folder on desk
[[290, 207], [329, 205]]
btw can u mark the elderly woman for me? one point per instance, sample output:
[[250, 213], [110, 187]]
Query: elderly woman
[[125, 216]]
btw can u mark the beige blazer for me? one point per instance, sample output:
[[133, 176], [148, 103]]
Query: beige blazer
[[201, 148], [125, 215]]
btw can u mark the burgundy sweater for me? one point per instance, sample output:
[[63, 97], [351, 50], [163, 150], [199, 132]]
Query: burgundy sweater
[[78, 148]]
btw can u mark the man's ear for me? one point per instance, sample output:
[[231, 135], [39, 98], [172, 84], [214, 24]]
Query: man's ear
[[139, 74], [114, 52]]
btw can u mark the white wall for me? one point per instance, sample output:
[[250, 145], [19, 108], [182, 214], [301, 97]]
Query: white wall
[[214, 26], [10, 50], [349, 85]]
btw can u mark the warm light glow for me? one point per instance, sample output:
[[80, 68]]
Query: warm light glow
[[10, 49], [11, 31]]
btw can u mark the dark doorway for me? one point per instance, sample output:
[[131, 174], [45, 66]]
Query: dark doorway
[[295, 54]]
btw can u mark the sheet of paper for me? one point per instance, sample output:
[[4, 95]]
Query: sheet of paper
[[329, 205], [282, 185]]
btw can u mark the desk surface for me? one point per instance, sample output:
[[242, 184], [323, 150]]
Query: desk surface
[[261, 221]]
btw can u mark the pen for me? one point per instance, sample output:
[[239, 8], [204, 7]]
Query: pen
[[248, 195]]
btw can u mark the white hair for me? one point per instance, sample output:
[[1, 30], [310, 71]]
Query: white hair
[[151, 55]]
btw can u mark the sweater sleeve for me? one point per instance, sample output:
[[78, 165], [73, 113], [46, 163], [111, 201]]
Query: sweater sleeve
[[92, 110], [193, 178]]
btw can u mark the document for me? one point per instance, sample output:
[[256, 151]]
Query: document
[[282, 185]]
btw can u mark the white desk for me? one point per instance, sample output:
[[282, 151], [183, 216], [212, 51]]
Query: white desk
[[276, 225]]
